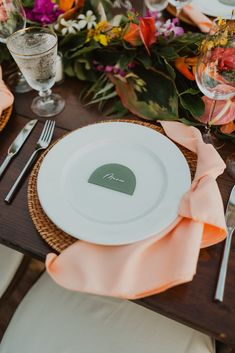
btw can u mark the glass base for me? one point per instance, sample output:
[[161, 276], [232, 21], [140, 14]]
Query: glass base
[[17, 83], [48, 106], [209, 138], [230, 162]]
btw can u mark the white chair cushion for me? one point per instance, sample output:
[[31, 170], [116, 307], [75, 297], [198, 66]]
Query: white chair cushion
[[51, 319], [9, 263]]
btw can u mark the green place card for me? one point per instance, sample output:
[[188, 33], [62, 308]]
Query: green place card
[[114, 176]]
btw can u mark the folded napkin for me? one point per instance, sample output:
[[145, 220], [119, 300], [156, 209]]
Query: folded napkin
[[6, 97], [201, 20], [153, 265]]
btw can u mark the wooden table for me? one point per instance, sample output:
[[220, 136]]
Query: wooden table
[[192, 303]]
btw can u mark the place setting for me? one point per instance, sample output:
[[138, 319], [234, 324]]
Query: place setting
[[85, 203], [201, 13], [139, 195]]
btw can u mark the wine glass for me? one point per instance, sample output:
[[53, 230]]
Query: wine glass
[[215, 73], [156, 5], [12, 18], [35, 52], [179, 4]]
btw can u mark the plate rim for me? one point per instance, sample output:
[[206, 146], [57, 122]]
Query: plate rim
[[228, 16]]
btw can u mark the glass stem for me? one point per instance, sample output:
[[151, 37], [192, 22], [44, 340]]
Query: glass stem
[[178, 11], [212, 109], [207, 136], [45, 95]]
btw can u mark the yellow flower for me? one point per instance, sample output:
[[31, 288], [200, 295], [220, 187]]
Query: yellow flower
[[115, 32], [221, 21], [102, 39], [102, 26], [130, 17], [103, 33]]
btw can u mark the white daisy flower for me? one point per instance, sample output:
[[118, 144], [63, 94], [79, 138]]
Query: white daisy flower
[[69, 27], [88, 20]]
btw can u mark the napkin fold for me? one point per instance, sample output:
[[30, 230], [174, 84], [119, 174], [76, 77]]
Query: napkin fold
[[153, 265], [201, 20], [6, 97]]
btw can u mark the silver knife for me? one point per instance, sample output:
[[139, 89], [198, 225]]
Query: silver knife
[[17, 144], [230, 222]]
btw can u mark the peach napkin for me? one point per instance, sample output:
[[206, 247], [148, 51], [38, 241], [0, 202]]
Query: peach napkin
[[201, 20], [153, 265], [6, 97]]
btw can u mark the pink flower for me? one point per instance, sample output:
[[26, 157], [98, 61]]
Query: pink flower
[[224, 111], [3, 13], [225, 57], [170, 26], [44, 12]]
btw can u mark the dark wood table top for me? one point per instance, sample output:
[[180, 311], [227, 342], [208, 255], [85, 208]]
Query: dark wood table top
[[191, 303]]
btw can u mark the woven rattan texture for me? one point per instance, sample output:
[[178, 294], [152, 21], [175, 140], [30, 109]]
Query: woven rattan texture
[[54, 236], [5, 117]]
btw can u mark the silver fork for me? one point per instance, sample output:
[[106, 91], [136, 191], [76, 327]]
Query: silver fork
[[42, 143]]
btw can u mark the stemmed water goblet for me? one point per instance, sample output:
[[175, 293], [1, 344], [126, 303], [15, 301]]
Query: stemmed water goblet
[[179, 4], [215, 71], [155, 5], [215, 76], [34, 50], [12, 18]]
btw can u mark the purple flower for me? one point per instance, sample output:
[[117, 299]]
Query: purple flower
[[153, 14], [170, 26], [109, 69], [44, 12]]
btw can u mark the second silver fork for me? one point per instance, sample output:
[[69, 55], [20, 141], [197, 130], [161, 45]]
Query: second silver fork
[[42, 143]]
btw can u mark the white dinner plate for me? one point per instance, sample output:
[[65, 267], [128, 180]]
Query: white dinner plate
[[214, 8], [144, 174]]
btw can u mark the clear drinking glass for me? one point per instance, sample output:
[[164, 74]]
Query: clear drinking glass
[[12, 18], [215, 73], [35, 52], [156, 5], [179, 4]]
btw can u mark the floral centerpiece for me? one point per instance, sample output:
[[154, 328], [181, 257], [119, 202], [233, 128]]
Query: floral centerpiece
[[145, 66]]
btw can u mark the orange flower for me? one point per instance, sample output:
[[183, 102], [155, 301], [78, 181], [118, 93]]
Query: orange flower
[[66, 5], [186, 66], [132, 36], [148, 32], [145, 32], [228, 128]]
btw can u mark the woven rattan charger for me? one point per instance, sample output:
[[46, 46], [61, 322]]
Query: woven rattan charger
[[54, 236], [6, 113]]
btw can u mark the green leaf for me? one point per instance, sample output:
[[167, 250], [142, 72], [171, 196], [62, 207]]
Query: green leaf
[[98, 100], [170, 69], [194, 104], [191, 91], [104, 90], [160, 89], [83, 51], [167, 53], [28, 3], [117, 109], [107, 56], [145, 60], [69, 70], [157, 98], [126, 58], [82, 73], [72, 42]]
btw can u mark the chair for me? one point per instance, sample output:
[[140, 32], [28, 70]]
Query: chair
[[51, 319], [10, 261]]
